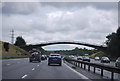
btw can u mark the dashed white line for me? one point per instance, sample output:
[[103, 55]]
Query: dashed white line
[[8, 64], [24, 76], [82, 76], [38, 65], [33, 69]]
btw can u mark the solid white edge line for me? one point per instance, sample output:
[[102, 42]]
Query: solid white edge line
[[24, 76], [83, 77]]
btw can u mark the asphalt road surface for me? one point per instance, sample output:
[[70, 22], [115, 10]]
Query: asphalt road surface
[[23, 69]]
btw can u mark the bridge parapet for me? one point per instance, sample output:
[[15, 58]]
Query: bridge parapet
[[96, 46], [67, 41]]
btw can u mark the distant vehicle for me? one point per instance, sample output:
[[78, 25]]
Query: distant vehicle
[[105, 60], [79, 58], [55, 59], [86, 55], [117, 63], [71, 56], [97, 58], [34, 56], [85, 58], [43, 57]]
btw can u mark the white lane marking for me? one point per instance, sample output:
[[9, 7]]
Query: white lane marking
[[38, 65], [15, 59], [8, 64], [33, 68], [82, 76], [24, 76]]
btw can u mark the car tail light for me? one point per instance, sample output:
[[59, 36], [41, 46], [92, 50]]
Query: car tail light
[[39, 55]]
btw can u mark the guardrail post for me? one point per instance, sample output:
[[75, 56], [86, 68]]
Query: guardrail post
[[84, 66], [78, 64], [112, 75], [81, 65], [101, 72], [94, 69], [88, 67], [74, 62]]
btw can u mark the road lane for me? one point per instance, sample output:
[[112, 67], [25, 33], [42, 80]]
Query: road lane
[[16, 70], [22, 69]]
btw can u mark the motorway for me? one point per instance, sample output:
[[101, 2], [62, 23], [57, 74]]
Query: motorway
[[22, 69]]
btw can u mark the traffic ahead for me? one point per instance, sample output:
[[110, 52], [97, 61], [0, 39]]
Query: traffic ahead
[[23, 69], [39, 66]]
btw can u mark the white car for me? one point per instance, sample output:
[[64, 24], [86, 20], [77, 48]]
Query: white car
[[117, 63], [79, 58], [97, 58], [72, 56]]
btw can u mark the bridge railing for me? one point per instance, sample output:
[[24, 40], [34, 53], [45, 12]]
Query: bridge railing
[[70, 41], [88, 65]]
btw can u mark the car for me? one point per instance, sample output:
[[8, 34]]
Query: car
[[34, 55], [55, 59], [117, 63], [85, 58], [86, 54], [105, 60], [43, 57], [79, 58], [97, 58], [71, 56]]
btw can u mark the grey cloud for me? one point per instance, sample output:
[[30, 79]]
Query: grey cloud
[[98, 5], [19, 8], [31, 7], [119, 13], [38, 22]]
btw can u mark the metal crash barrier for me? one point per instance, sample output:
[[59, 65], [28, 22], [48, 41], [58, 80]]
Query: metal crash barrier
[[88, 65]]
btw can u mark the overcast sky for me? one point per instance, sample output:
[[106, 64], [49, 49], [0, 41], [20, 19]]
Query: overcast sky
[[36, 22]]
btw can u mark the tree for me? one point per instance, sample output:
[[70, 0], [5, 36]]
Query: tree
[[20, 41], [113, 43], [6, 46]]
